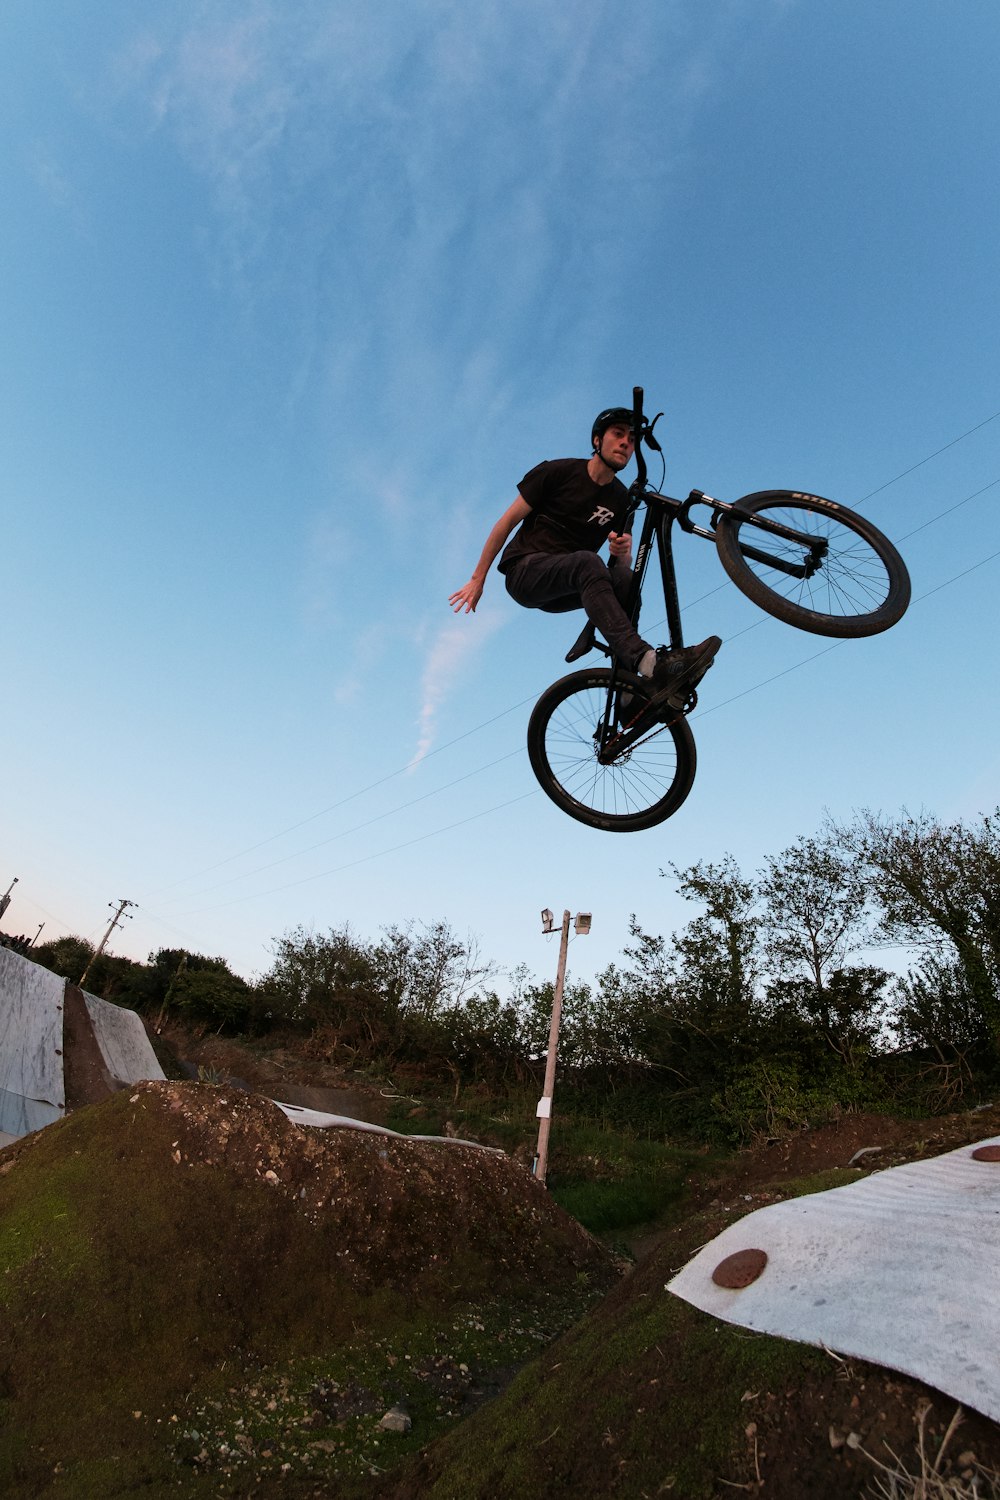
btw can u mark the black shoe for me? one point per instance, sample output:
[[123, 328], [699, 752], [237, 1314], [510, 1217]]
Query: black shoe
[[677, 672]]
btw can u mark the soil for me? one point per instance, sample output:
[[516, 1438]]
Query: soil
[[235, 1294], [277, 1073], [181, 1228], [684, 1405]]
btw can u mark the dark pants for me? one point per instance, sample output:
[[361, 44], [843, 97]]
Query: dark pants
[[560, 581]]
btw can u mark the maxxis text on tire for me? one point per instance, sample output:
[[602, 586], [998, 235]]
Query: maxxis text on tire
[[861, 587]]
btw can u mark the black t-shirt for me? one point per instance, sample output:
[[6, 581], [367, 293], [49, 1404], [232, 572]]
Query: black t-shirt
[[569, 512]]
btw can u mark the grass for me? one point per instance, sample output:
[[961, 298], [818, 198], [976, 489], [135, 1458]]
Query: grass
[[154, 1305], [934, 1479], [609, 1179], [318, 1419], [664, 1415]]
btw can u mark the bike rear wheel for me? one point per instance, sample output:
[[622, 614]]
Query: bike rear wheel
[[641, 786], [857, 586]]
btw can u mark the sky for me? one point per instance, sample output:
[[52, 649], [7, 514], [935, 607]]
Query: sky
[[292, 298]]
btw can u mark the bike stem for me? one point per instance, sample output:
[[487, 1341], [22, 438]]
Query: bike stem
[[660, 524]]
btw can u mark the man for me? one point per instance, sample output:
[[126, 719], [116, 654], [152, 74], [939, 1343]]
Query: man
[[565, 510]]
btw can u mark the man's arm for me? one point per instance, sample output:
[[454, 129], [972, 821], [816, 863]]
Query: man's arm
[[469, 596]]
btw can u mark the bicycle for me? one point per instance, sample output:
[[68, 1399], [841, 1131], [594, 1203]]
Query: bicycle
[[610, 757]]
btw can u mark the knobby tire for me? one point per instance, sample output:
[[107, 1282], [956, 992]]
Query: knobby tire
[[644, 785], [860, 588]]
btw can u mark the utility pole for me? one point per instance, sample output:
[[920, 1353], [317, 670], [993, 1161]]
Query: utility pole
[[5, 898], [544, 1110], [115, 920], [37, 935]]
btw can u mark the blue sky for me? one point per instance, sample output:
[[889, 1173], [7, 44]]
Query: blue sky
[[293, 296]]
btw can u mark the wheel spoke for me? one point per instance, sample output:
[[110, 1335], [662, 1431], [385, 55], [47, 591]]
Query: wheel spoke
[[858, 584], [644, 783], [850, 579]]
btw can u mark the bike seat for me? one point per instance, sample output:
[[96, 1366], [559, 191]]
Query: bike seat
[[583, 643]]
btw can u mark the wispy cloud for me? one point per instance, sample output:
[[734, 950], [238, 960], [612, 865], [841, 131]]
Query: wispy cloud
[[57, 183], [451, 651], [403, 196]]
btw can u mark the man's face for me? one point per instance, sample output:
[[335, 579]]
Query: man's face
[[617, 446]]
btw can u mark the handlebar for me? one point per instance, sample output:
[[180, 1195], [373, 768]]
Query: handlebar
[[638, 421], [643, 431]]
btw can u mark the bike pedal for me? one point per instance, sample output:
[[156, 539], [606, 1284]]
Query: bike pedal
[[584, 642]]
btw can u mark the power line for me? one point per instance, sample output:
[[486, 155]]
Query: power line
[[457, 739], [936, 454], [366, 858], [358, 827], [116, 921], [371, 787], [766, 682], [950, 511], [835, 645], [434, 832]]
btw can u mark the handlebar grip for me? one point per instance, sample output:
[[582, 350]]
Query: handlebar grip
[[638, 422]]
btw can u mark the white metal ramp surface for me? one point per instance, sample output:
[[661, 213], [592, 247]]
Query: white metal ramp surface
[[900, 1269]]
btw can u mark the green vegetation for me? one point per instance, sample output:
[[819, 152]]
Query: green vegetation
[[319, 1418], [666, 1412], [172, 1327], [156, 1285], [757, 1018]]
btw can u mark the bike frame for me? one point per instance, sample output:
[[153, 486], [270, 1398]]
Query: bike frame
[[657, 528]]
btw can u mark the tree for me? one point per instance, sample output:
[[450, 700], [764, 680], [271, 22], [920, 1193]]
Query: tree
[[696, 1006], [813, 901], [485, 1039], [421, 967], [813, 905], [937, 1011], [848, 1010], [326, 980], [67, 956], [716, 964], [938, 887]]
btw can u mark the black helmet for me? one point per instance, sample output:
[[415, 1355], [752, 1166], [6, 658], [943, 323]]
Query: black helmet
[[612, 416]]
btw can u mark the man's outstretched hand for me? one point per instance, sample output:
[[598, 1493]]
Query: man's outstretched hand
[[466, 598]]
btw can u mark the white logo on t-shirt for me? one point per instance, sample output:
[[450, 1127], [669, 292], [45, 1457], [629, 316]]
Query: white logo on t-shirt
[[602, 516]]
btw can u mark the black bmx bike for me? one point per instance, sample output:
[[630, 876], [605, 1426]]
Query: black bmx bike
[[612, 758]]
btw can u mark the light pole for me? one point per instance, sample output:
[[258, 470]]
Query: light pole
[[5, 898], [544, 1110]]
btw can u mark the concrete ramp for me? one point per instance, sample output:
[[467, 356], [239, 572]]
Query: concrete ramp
[[61, 1048], [122, 1041], [32, 1093]]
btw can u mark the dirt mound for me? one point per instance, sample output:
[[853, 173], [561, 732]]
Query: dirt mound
[[863, 1140], [178, 1235], [293, 1074], [651, 1397]]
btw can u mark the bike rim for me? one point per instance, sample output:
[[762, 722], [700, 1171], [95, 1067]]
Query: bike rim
[[852, 579], [639, 780]]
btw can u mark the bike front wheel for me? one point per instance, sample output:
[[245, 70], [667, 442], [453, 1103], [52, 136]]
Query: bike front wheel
[[838, 576], [639, 786]]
